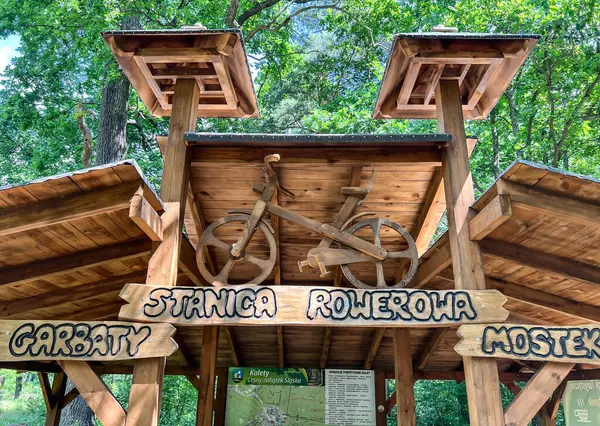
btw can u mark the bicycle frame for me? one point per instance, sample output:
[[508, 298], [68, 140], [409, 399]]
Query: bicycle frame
[[330, 233]]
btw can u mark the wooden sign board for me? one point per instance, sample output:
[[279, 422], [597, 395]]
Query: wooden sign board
[[303, 305], [531, 342], [83, 341]]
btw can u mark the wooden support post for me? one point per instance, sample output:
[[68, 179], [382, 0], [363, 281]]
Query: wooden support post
[[59, 385], [221, 400], [146, 387], [536, 393], [405, 396], [97, 396], [544, 416], [208, 365], [481, 375], [380, 400]]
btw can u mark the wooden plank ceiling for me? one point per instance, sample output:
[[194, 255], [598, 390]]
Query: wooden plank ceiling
[[73, 268], [154, 60], [483, 64]]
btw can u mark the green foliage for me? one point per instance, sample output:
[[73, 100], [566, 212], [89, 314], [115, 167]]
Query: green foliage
[[317, 68]]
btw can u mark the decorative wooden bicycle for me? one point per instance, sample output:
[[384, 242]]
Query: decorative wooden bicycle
[[352, 249]]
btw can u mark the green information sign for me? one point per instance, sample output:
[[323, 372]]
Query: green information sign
[[581, 403], [274, 396], [274, 376]]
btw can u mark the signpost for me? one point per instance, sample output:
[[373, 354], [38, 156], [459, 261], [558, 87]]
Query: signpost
[[83, 341], [296, 305], [581, 402], [570, 344]]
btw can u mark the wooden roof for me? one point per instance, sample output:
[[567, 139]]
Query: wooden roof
[[484, 65], [68, 245], [153, 60], [544, 256]]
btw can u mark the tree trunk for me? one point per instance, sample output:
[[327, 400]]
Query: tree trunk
[[112, 135], [77, 413], [112, 126], [18, 385]]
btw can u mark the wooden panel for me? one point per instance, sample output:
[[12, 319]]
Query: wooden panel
[[535, 394], [53, 211], [533, 343], [405, 397], [93, 341], [97, 396], [291, 305]]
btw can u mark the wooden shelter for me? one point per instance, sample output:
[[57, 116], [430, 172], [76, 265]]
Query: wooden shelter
[[154, 60], [72, 242], [483, 64]]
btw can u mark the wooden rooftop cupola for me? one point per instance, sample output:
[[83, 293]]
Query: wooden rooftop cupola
[[154, 60], [484, 65]]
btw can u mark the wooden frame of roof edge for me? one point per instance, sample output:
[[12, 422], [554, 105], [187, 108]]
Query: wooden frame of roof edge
[[483, 64], [154, 60]]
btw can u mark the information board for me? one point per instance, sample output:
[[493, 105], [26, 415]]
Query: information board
[[350, 397], [581, 403], [298, 396], [304, 305]]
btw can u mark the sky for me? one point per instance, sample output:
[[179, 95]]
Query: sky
[[8, 50]]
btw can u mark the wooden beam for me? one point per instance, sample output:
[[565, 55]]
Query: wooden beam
[[481, 375], [377, 337], [409, 82], [235, 359], [578, 310], [430, 90], [59, 385], [74, 262], [145, 394], [325, 348], [432, 211], [536, 393], [431, 267], [280, 349], [75, 294], [64, 209], [544, 417], [144, 216], [277, 276], [187, 263], [221, 399], [551, 203], [494, 214], [194, 381], [184, 351], [98, 397], [513, 387], [146, 388], [70, 396], [46, 390], [541, 261], [380, 399], [208, 365], [554, 403], [405, 396], [428, 350]]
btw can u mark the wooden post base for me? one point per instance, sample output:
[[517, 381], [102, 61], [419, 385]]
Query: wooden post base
[[405, 396]]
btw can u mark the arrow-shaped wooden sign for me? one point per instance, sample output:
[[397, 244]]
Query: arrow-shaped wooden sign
[[303, 305], [531, 342], [83, 341]]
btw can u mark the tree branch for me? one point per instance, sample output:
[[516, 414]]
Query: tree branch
[[256, 9]]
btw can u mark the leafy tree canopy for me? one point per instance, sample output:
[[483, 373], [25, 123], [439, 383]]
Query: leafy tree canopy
[[317, 66]]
